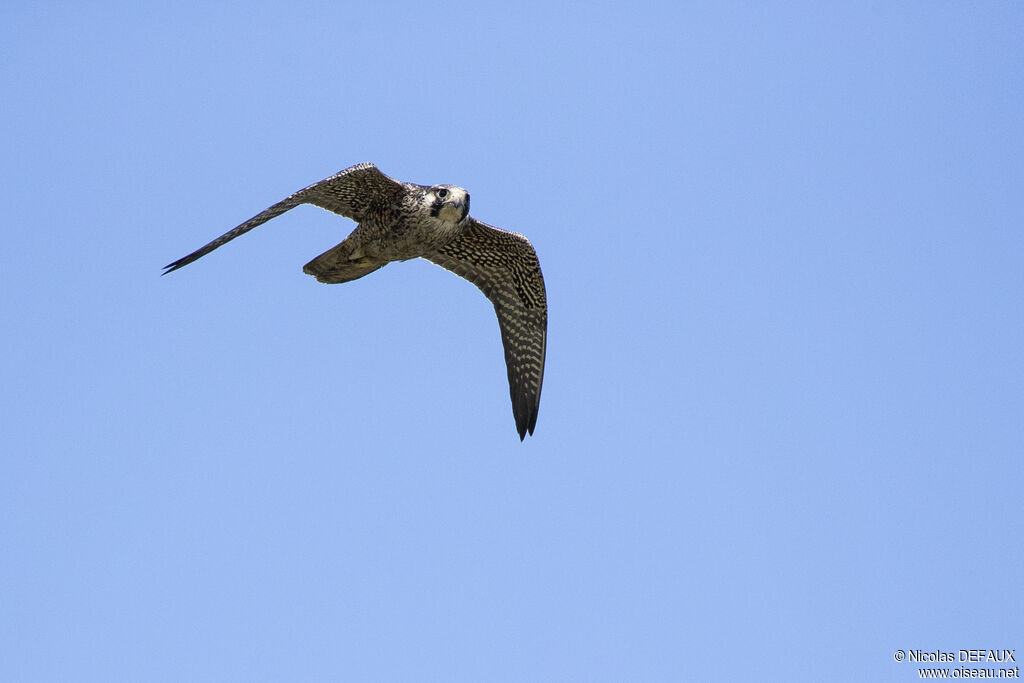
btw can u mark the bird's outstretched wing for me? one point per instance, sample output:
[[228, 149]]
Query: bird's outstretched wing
[[505, 268], [350, 193]]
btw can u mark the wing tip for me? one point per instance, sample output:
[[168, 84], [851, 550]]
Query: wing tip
[[183, 261], [526, 420]]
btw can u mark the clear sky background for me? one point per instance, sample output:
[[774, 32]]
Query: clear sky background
[[783, 415]]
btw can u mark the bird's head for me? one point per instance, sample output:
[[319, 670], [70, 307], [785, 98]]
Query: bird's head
[[448, 203]]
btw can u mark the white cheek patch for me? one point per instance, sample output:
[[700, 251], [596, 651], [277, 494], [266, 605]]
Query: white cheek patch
[[450, 213]]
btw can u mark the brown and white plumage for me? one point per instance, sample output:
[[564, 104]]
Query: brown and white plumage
[[399, 221]]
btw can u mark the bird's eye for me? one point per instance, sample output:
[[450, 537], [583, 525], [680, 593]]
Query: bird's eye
[[442, 193]]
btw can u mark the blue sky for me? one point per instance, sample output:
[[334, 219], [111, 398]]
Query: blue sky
[[781, 429]]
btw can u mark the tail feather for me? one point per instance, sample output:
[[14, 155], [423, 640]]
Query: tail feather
[[342, 263]]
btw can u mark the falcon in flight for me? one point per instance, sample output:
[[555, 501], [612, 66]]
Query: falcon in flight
[[400, 221]]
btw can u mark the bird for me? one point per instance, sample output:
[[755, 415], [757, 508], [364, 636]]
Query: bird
[[398, 221]]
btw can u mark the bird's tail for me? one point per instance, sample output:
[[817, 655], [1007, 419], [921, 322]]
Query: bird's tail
[[343, 263]]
